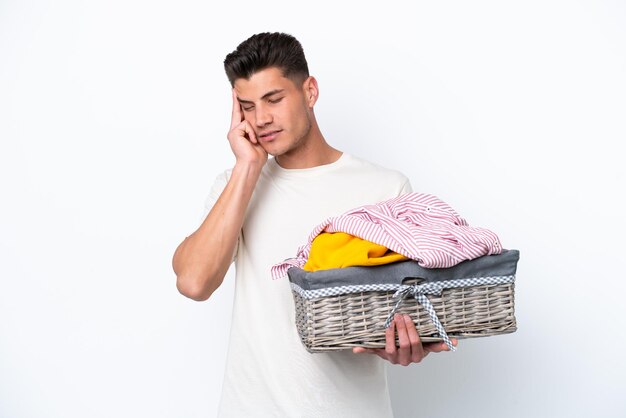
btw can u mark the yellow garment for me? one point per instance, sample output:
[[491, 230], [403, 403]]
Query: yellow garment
[[338, 249]]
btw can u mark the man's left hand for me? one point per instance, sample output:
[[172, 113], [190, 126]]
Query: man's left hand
[[411, 349]]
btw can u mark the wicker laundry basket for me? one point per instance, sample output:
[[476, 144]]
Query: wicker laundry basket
[[343, 308]]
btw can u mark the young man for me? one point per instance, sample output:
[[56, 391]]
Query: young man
[[258, 214]]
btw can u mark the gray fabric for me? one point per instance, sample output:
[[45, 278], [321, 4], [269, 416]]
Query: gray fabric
[[504, 264]]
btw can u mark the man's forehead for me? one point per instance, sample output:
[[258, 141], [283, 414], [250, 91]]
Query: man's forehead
[[262, 83]]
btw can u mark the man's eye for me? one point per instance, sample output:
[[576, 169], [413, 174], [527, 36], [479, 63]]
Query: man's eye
[[276, 100], [247, 109]]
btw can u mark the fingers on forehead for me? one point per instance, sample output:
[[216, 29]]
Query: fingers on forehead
[[236, 105]]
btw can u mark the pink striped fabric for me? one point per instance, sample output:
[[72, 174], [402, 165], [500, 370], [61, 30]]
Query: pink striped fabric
[[416, 225]]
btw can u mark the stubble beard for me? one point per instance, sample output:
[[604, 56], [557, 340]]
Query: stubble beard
[[299, 141]]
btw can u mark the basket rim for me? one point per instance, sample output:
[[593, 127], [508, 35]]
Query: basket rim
[[427, 287]]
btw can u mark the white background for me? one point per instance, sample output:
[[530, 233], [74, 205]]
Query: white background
[[113, 120]]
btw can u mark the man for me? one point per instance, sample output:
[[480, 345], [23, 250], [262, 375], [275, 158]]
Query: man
[[258, 214]]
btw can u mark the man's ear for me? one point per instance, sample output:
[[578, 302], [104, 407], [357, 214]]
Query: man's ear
[[311, 91]]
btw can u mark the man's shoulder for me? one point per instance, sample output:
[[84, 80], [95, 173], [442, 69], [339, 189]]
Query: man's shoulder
[[365, 166]]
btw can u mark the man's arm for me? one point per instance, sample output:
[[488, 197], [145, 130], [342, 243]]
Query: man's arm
[[202, 259]]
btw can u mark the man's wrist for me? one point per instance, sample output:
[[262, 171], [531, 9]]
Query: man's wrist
[[248, 168]]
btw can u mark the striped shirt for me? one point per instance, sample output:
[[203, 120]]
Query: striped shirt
[[416, 225]]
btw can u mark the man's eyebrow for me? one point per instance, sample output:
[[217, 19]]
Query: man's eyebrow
[[265, 96], [271, 93]]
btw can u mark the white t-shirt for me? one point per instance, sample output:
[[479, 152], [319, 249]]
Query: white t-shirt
[[269, 373]]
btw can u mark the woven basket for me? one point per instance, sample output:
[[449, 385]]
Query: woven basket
[[343, 319]]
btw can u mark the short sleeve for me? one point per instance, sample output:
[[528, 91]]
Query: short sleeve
[[216, 190], [406, 187]]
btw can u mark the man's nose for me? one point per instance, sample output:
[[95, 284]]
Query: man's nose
[[263, 117]]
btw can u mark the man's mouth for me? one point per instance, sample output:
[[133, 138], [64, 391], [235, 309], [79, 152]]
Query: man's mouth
[[269, 135]]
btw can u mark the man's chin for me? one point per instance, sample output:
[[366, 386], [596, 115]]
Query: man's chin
[[273, 151]]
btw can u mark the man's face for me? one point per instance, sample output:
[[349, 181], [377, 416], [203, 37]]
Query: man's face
[[277, 110]]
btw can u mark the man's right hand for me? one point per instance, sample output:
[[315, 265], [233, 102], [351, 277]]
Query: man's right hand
[[242, 138]]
